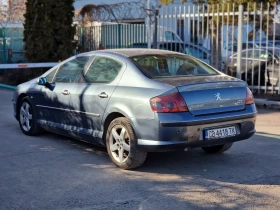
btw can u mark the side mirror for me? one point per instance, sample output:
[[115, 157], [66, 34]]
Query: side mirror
[[42, 81]]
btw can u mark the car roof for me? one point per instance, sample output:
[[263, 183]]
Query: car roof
[[131, 52]]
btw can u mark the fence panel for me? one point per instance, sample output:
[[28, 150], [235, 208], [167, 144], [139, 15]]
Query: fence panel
[[112, 36], [238, 41], [11, 45]]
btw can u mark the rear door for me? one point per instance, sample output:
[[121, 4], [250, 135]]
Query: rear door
[[91, 95]]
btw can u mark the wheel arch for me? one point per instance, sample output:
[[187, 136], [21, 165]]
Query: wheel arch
[[109, 118], [20, 97]]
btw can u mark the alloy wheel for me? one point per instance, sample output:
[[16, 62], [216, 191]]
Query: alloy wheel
[[26, 116], [119, 143]]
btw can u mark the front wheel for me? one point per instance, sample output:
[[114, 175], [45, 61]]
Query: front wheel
[[121, 142], [217, 148], [27, 118]]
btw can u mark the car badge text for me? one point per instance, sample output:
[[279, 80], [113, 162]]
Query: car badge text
[[218, 96]]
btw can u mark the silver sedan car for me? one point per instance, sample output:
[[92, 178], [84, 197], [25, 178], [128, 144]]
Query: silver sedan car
[[137, 100]]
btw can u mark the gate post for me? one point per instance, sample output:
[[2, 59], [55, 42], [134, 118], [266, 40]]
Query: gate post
[[239, 41], [155, 30]]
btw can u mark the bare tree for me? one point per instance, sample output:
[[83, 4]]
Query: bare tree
[[12, 12]]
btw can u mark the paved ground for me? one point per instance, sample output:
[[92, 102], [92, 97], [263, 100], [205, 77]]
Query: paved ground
[[54, 172]]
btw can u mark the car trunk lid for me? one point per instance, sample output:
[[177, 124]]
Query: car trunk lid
[[210, 94]]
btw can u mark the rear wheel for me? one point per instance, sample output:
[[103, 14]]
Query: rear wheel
[[121, 143], [217, 148], [27, 118]]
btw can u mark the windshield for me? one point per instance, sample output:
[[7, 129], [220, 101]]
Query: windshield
[[171, 65]]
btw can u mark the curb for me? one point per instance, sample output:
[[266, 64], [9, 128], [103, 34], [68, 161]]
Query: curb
[[265, 104]]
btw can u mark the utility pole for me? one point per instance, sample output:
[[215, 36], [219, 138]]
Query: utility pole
[[149, 23]]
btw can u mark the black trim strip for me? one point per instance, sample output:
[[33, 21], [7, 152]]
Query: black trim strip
[[208, 121]]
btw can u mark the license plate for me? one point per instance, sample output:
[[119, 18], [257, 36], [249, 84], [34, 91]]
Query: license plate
[[220, 133]]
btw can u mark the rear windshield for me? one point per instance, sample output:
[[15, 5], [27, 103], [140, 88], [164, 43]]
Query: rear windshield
[[170, 65]]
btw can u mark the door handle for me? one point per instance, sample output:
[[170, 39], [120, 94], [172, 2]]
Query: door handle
[[103, 95], [66, 92]]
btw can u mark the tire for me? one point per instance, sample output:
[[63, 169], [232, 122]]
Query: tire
[[121, 143], [217, 148], [27, 118]]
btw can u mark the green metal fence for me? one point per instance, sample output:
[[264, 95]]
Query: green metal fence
[[11, 45], [111, 36]]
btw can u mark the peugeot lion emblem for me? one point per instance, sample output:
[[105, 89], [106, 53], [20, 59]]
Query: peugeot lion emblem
[[218, 96]]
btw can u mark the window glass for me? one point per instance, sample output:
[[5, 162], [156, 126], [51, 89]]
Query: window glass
[[276, 52], [51, 75], [71, 71], [168, 36], [195, 52], [176, 38], [170, 65], [246, 54], [234, 47], [260, 54], [103, 70]]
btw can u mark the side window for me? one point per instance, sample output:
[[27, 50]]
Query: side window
[[168, 36], [265, 55], [103, 70], [246, 54], [51, 75], [71, 71], [175, 37], [257, 54]]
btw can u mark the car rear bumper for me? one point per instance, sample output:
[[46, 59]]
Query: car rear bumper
[[191, 134]]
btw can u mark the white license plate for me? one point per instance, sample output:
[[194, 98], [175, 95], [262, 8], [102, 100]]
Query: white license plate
[[220, 133]]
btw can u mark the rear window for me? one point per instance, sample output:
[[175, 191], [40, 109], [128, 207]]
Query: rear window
[[156, 66]]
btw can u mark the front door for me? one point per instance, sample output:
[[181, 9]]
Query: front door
[[63, 82]]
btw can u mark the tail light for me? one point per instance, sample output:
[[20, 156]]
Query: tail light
[[169, 103], [249, 97]]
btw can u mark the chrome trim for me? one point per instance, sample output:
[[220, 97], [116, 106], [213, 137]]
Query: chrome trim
[[50, 107], [86, 113], [158, 143], [68, 110]]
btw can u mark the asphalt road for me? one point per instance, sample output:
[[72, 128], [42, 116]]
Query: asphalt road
[[54, 172]]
